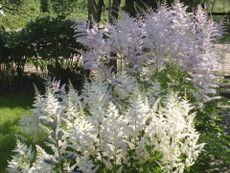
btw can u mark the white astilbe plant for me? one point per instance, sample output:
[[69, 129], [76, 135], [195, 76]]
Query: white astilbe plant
[[173, 133], [110, 127], [147, 43]]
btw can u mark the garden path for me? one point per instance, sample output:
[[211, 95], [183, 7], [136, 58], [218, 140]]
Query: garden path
[[224, 50]]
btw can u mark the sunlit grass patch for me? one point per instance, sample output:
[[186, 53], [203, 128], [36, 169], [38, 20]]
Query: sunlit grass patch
[[12, 108]]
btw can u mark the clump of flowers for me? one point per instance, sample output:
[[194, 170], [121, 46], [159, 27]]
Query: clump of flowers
[[147, 43], [109, 128], [121, 121]]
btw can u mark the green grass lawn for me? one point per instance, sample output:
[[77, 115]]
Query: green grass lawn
[[12, 107]]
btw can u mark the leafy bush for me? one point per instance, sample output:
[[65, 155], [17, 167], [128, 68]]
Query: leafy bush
[[45, 39], [128, 118], [18, 12], [216, 155], [51, 40], [50, 37], [12, 56]]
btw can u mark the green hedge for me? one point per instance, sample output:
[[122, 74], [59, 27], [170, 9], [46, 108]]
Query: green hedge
[[45, 39]]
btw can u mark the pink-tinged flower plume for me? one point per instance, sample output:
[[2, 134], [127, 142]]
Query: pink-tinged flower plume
[[167, 35]]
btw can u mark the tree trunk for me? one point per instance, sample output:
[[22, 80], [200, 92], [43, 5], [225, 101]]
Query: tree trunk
[[100, 6], [114, 11], [130, 7], [109, 9], [95, 11]]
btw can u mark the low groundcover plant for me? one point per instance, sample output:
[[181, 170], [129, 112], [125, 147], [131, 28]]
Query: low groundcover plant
[[121, 121]]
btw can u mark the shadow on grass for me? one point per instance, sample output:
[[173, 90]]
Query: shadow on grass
[[21, 100], [20, 93]]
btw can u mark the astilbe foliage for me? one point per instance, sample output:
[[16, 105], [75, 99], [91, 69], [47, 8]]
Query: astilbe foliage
[[22, 160], [148, 42]]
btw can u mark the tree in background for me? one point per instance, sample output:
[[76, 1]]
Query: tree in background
[[10, 5], [63, 7], [133, 7], [18, 13]]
